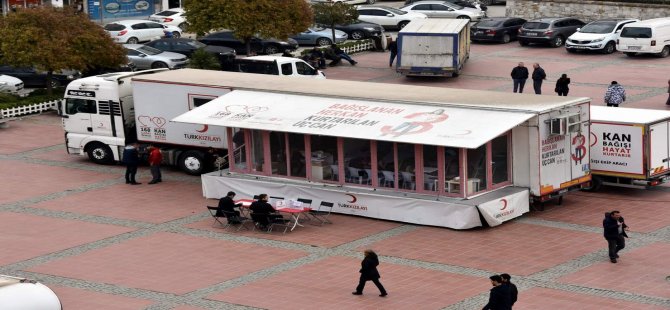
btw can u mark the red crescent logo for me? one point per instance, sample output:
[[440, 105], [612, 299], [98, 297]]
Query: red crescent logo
[[353, 198], [204, 128], [504, 201], [594, 138]]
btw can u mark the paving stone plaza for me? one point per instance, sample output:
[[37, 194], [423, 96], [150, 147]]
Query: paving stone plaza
[[101, 244]]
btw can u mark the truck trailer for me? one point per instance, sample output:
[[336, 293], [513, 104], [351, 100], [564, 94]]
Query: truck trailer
[[433, 47], [629, 147]]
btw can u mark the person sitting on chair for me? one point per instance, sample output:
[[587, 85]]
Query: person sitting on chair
[[262, 207], [227, 208]]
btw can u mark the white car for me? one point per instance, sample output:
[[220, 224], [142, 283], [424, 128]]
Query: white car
[[171, 17], [10, 84], [147, 57], [135, 31], [600, 36], [346, 1], [443, 9], [278, 65], [386, 16]]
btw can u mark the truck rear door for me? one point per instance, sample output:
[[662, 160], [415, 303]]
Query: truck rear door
[[659, 152]]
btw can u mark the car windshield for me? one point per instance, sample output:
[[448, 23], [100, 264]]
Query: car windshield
[[317, 29], [114, 27], [636, 32], [196, 44], [599, 27], [167, 13], [489, 23], [535, 25], [149, 50], [395, 11]]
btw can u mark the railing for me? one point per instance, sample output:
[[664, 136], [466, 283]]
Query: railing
[[221, 161], [363, 46], [30, 109]]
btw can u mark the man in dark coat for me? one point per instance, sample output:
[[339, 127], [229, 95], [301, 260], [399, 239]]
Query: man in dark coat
[[131, 158], [614, 230], [513, 291], [499, 298], [519, 76], [538, 76], [393, 47], [264, 211], [369, 272], [228, 205]]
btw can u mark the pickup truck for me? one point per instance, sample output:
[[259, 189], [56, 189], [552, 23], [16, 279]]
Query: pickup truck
[[276, 65]]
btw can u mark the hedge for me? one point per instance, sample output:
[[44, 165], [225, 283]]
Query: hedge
[[37, 96]]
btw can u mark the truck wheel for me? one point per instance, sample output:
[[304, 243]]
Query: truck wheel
[[192, 162], [665, 52], [100, 153], [596, 185], [323, 42]]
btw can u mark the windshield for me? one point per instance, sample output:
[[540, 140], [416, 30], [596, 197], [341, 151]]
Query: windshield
[[317, 29], [395, 11], [489, 23], [599, 27], [636, 32], [535, 25], [149, 50]]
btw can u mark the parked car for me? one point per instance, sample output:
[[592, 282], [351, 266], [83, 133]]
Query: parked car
[[550, 30], [651, 36], [135, 31], [10, 84], [187, 47], [276, 65], [147, 57], [319, 36], [258, 45], [361, 30], [32, 77], [171, 17], [444, 9], [600, 36], [127, 67], [498, 29], [346, 1], [386, 16], [466, 3]]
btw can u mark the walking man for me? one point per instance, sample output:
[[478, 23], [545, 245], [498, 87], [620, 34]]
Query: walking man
[[615, 95], [155, 159], [393, 47], [369, 272], [562, 87], [614, 229], [519, 76], [513, 291], [538, 76], [131, 158], [499, 298]]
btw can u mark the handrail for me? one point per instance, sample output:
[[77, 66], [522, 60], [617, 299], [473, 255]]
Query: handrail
[[223, 159]]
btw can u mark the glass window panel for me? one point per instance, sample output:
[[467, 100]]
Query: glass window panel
[[357, 158], [476, 169], [296, 144], [240, 151], [452, 178], [257, 156], [324, 158], [406, 166], [385, 164], [500, 159], [430, 168], [278, 151]]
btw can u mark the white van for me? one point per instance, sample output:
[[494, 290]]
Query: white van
[[650, 36]]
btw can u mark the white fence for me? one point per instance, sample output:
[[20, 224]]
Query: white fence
[[366, 45], [30, 109]]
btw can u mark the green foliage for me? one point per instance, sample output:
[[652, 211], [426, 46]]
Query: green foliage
[[263, 18], [53, 39], [331, 14], [204, 60], [37, 96]]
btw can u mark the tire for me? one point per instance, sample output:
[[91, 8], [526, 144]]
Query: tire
[[183, 26], [557, 41], [271, 49], [523, 43], [463, 17], [402, 24], [630, 54], [323, 42], [100, 153], [596, 185], [609, 48], [192, 162], [506, 38], [159, 64], [133, 40], [357, 35], [665, 52], [176, 34]]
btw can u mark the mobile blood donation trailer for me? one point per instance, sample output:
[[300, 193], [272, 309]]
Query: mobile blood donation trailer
[[24, 294], [423, 155], [629, 147]]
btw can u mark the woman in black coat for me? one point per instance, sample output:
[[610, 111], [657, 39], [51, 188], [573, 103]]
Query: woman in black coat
[[562, 85], [369, 273]]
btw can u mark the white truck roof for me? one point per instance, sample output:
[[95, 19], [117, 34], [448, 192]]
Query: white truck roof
[[435, 25], [662, 21], [627, 115]]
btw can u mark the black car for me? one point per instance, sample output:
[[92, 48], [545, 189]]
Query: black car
[[465, 3], [258, 45], [360, 30], [97, 70], [187, 47], [32, 77], [498, 29], [552, 31]]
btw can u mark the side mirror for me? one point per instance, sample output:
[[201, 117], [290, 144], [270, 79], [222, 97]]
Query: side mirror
[[579, 29]]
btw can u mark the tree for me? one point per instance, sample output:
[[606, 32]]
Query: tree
[[204, 60], [249, 18], [334, 13], [53, 39]]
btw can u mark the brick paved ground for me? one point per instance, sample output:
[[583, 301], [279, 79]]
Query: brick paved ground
[[101, 244]]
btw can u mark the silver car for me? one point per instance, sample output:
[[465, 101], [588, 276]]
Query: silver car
[[319, 36], [146, 57], [444, 9]]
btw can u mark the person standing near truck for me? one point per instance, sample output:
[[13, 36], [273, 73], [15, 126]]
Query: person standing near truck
[[393, 47], [615, 95], [519, 76], [131, 158], [155, 159]]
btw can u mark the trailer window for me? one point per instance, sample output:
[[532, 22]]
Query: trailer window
[[324, 159], [500, 159], [430, 168], [477, 175], [357, 156], [636, 32], [200, 101], [406, 166], [452, 162], [287, 69], [75, 105], [386, 164]]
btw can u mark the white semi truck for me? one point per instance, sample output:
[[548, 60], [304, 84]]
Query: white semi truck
[[102, 114]]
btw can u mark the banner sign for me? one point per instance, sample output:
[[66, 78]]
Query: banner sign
[[116, 9], [497, 211], [617, 148]]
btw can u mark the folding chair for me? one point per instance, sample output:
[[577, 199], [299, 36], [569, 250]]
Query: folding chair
[[278, 221], [323, 212], [274, 199], [306, 203], [264, 219], [213, 213], [242, 221]]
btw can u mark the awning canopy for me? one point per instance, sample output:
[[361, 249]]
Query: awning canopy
[[361, 119]]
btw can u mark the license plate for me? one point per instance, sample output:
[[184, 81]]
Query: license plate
[[578, 47], [634, 48], [531, 34]]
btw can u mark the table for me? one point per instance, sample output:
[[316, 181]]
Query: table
[[455, 185]]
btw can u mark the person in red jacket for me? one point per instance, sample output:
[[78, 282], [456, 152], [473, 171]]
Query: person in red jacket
[[155, 159]]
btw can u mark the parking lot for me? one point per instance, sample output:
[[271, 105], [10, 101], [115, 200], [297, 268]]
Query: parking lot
[[101, 244]]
